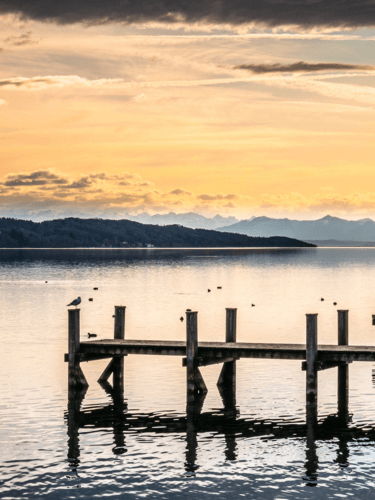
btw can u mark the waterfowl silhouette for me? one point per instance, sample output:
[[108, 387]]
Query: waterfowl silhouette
[[181, 319], [75, 302], [91, 335]]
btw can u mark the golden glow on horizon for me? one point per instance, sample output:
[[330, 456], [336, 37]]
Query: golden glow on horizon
[[175, 126]]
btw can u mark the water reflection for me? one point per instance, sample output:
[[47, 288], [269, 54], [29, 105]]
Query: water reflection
[[225, 421]]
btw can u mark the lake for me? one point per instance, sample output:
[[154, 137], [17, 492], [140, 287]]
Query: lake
[[141, 448]]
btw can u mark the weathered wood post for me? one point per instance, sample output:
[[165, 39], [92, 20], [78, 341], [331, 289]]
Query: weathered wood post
[[311, 358], [343, 370], [227, 378], [311, 397], [75, 374], [191, 352], [116, 365], [194, 379]]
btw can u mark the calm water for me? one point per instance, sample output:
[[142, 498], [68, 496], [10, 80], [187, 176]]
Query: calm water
[[142, 448]]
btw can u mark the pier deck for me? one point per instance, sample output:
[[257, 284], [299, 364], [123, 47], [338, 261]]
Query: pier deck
[[338, 353]]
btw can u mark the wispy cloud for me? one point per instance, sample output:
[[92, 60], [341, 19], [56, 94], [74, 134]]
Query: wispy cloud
[[41, 82], [302, 67], [19, 40]]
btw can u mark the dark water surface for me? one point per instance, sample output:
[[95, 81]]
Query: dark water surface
[[145, 446]]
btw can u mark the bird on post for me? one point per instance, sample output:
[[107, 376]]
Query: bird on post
[[75, 302]]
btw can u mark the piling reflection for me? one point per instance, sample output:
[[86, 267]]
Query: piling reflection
[[225, 421], [312, 461]]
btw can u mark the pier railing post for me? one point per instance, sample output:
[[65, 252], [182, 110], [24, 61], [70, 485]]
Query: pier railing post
[[343, 370], [76, 377], [227, 378], [311, 358]]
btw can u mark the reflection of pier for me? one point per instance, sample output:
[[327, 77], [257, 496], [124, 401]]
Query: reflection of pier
[[225, 421]]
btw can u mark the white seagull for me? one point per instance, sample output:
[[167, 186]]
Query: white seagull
[[75, 302]]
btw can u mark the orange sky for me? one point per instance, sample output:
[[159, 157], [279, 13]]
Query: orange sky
[[114, 119]]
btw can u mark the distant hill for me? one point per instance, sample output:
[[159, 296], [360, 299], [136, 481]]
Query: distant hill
[[74, 232], [189, 219], [327, 228]]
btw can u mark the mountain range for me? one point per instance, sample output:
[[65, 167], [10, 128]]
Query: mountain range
[[327, 228], [190, 219]]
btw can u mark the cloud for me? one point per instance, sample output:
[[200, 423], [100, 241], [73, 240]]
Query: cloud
[[302, 67], [217, 197], [19, 40], [180, 192], [101, 193], [36, 178], [140, 97], [307, 14], [40, 82]]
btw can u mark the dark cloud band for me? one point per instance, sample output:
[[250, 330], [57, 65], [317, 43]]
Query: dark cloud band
[[272, 13], [302, 67]]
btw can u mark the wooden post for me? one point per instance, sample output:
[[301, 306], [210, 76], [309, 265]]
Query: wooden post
[[311, 397], [75, 374], [116, 365], [119, 332], [194, 379], [311, 358], [191, 352], [343, 371], [227, 378]]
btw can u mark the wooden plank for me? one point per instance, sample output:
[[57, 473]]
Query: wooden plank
[[325, 365], [107, 371], [211, 361], [199, 382], [223, 349], [89, 357]]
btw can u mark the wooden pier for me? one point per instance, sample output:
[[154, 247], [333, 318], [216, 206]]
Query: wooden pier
[[196, 354]]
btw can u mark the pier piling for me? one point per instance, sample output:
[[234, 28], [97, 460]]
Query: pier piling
[[76, 376], [311, 358], [343, 369], [194, 379], [116, 365], [227, 379]]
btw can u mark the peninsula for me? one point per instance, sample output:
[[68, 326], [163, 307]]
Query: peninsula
[[96, 233]]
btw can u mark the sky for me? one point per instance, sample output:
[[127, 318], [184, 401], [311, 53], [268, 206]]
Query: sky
[[244, 108]]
